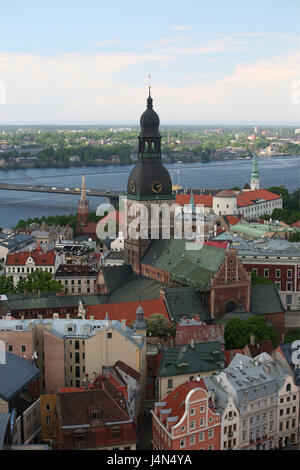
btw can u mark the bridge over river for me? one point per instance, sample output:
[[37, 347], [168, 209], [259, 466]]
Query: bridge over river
[[112, 196]]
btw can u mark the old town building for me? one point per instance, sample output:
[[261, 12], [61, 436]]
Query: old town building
[[186, 420]]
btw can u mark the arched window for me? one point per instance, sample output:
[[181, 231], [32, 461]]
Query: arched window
[[288, 387]]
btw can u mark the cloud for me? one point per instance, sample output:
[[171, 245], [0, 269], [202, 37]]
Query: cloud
[[160, 43], [182, 28], [224, 44], [107, 42], [82, 88]]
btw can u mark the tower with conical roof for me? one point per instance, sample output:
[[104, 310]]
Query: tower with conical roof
[[149, 183], [140, 325], [254, 183], [83, 206]]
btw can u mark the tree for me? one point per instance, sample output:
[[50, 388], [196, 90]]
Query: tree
[[39, 281], [157, 325], [237, 332], [6, 285], [295, 237], [259, 280]]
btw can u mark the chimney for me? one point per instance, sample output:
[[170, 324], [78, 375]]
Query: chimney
[[68, 316], [92, 317], [192, 343], [123, 323], [252, 339]]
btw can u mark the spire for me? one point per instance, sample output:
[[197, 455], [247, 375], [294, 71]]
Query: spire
[[192, 203], [82, 197], [140, 323], [255, 173], [149, 99]]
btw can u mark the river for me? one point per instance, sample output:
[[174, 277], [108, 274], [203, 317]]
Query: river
[[16, 205]]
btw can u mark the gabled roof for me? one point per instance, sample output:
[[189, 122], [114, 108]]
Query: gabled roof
[[190, 267], [127, 310], [199, 333], [248, 198], [260, 347], [127, 370], [184, 301], [116, 276], [187, 360], [265, 299], [39, 257], [175, 401], [185, 199], [15, 374]]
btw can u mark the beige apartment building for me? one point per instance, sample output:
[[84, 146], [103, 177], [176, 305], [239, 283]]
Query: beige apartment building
[[67, 351]]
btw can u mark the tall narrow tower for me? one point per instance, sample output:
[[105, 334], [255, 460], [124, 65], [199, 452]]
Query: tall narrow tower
[[254, 183], [83, 206], [149, 183]]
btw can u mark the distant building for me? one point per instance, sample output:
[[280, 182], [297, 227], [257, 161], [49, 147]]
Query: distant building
[[76, 278]]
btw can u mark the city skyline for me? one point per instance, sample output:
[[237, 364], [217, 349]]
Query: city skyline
[[209, 63]]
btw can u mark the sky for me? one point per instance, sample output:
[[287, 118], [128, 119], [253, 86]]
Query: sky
[[211, 62]]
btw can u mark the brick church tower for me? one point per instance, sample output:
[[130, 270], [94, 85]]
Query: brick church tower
[[149, 184], [83, 207]]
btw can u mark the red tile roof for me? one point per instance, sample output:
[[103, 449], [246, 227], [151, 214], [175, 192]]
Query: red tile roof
[[232, 220], [226, 193], [206, 200], [200, 334], [127, 310], [40, 258], [218, 244], [249, 197], [296, 224], [258, 348], [175, 400]]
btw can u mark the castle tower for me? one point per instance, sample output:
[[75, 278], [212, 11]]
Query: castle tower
[[149, 183], [254, 183], [83, 206]]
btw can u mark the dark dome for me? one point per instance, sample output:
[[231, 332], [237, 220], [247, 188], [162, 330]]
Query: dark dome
[[149, 121], [146, 173]]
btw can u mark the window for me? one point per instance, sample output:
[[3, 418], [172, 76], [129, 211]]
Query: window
[[193, 411], [77, 346], [201, 409], [288, 299], [109, 335], [201, 436], [23, 348], [170, 383], [47, 407], [115, 432], [278, 285], [77, 371], [10, 348], [182, 443], [266, 272], [202, 422], [288, 387], [192, 425], [210, 434], [289, 286], [277, 273], [48, 420], [289, 273], [192, 440], [254, 270], [77, 357]]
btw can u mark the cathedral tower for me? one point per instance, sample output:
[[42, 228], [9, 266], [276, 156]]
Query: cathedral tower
[[149, 183]]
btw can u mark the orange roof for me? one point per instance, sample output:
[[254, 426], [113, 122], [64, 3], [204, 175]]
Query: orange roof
[[226, 193], [296, 224], [232, 220], [40, 258], [249, 197], [127, 310], [206, 200], [176, 399]]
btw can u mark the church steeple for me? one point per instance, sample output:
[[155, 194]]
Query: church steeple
[[255, 174], [83, 206]]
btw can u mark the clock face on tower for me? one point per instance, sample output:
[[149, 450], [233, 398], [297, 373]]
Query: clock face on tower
[[132, 186], [156, 187]]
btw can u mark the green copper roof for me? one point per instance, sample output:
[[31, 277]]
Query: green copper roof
[[190, 267], [255, 173], [184, 360], [184, 301]]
